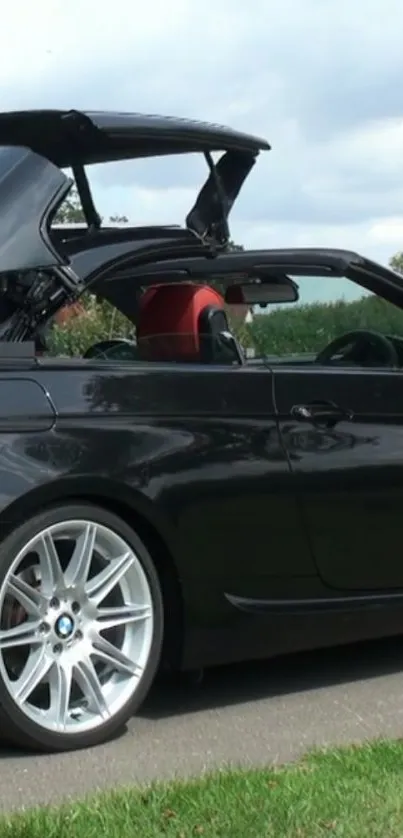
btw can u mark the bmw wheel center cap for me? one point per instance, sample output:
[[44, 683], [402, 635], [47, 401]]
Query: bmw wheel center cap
[[64, 627]]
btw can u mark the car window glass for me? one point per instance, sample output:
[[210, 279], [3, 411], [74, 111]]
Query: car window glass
[[327, 308]]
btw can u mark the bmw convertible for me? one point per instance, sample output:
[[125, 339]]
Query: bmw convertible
[[168, 501]]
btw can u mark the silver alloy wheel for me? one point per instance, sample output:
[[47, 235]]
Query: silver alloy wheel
[[76, 626]]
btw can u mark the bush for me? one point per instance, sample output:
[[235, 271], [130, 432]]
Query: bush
[[290, 330], [100, 322], [308, 328]]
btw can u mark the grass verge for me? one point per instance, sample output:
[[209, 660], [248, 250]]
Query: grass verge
[[356, 791]]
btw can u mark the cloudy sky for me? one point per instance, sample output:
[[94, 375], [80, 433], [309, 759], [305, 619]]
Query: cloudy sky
[[320, 79]]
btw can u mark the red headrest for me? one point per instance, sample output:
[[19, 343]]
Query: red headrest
[[168, 327], [146, 296]]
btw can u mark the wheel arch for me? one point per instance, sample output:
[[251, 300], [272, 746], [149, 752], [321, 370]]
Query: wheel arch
[[139, 513]]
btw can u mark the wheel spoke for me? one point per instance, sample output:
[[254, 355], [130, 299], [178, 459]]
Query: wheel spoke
[[52, 574], [103, 583], [35, 671], [60, 682], [81, 568], [86, 676], [121, 615], [80, 562], [30, 598], [111, 655], [25, 634]]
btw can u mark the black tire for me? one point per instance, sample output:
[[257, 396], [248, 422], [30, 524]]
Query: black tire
[[15, 725]]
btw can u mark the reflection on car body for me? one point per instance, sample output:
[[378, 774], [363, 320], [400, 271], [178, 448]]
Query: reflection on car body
[[170, 500]]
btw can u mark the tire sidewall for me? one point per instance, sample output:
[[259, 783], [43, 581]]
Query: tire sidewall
[[20, 726]]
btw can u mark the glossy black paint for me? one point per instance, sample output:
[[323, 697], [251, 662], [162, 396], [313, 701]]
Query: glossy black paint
[[72, 137], [95, 259], [30, 187], [320, 262], [348, 478], [36, 144], [226, 495], [121, 283], [272, 529]]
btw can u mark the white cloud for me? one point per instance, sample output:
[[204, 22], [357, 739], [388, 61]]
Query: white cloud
[[321, 79], [378, 240]]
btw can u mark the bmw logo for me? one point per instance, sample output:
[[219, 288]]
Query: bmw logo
[[64, 626]]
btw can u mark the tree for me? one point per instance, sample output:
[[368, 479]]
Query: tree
[[71, 211], [396, 262], [118, 219]]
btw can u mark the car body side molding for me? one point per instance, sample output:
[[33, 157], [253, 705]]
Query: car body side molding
[[343, 604]]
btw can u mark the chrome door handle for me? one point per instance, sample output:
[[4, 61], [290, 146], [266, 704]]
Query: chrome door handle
[[327, 414]]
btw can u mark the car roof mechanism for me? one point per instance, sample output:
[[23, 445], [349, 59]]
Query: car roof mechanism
[[221, 226], [208, 218], [91, 215]]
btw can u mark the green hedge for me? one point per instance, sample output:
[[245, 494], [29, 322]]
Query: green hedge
[[295, 329], [308, 328]]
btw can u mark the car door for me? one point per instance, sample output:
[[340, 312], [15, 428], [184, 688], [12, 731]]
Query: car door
[[342, 429], [231, 487], [201, 444]]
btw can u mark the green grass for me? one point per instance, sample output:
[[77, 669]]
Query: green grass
[[357, 791]]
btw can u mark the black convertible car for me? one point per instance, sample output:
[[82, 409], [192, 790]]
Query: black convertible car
[[167, 501]]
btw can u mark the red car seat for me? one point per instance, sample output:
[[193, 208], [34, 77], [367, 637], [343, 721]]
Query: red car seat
[[185, 323]]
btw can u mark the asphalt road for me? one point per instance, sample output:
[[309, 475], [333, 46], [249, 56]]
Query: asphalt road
[[250, 714]]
